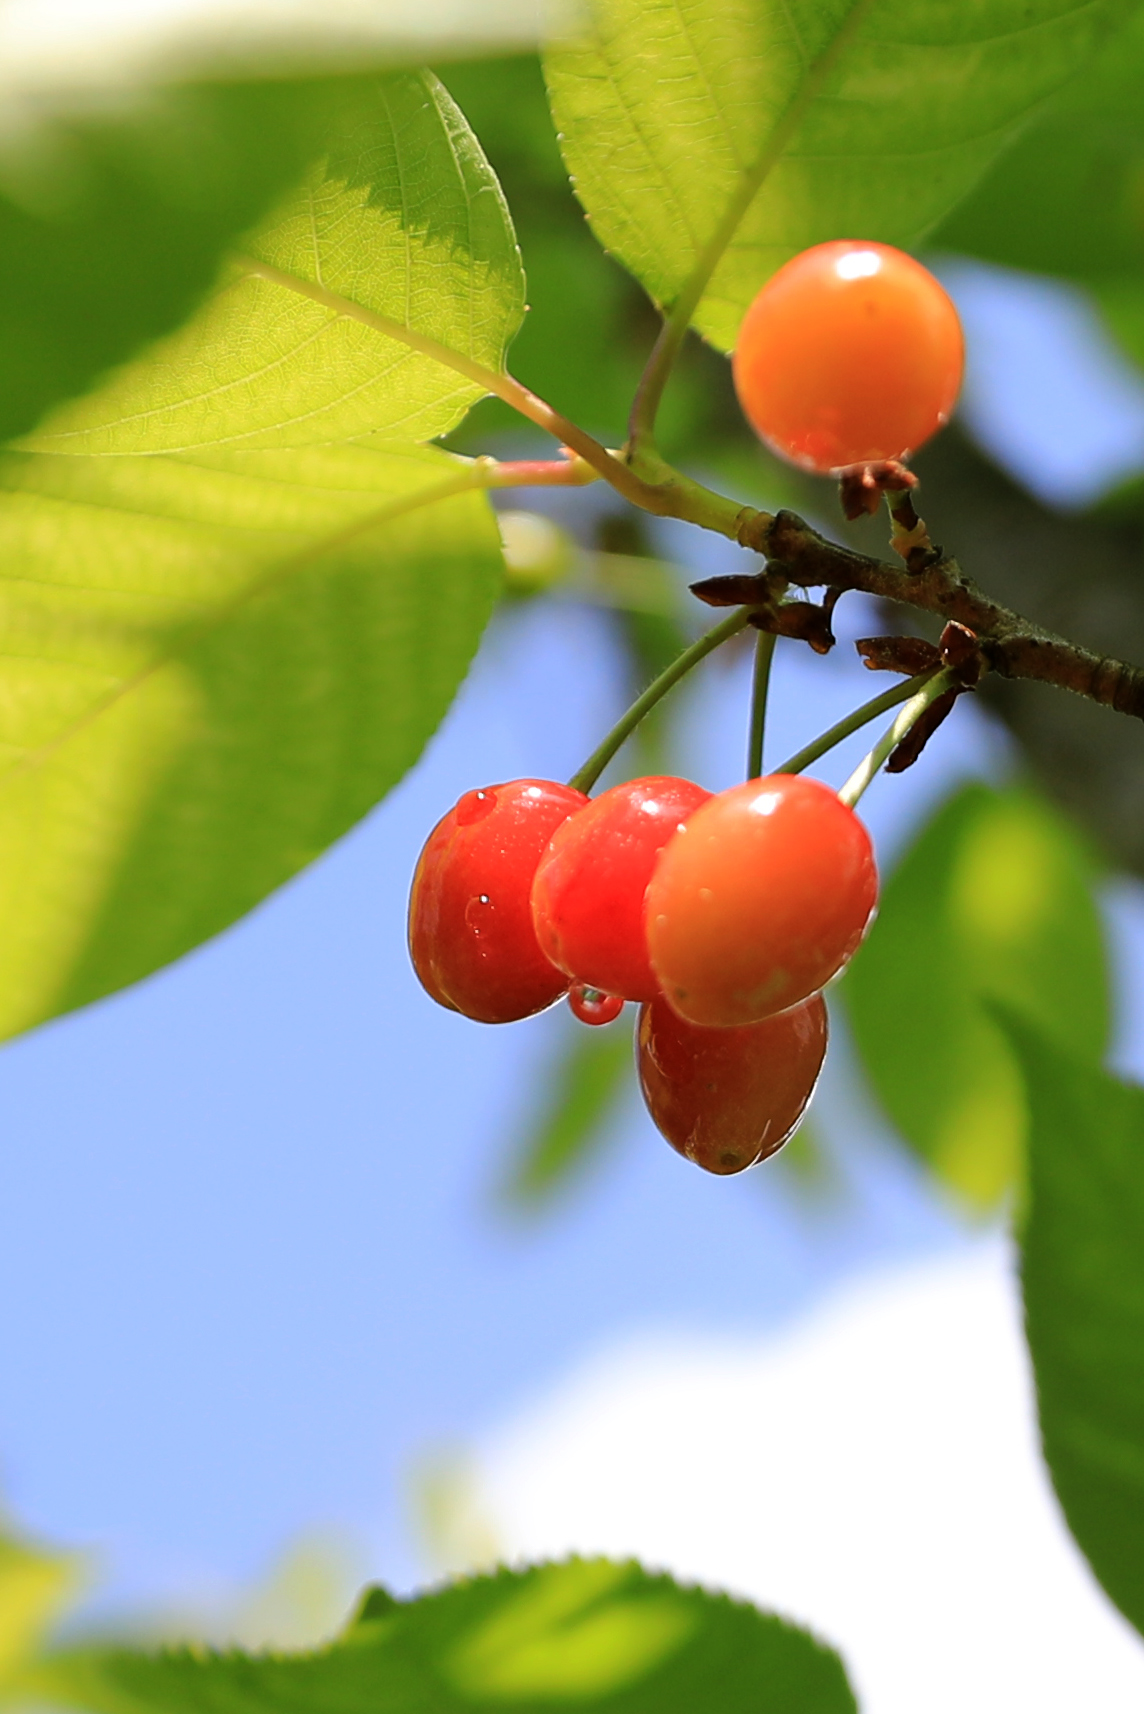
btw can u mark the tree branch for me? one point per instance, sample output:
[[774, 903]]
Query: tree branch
[[1013, 646]]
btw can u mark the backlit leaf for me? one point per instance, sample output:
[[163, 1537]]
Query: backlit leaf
[[225, 637], [993, 899], [399, 232], [735, 134]]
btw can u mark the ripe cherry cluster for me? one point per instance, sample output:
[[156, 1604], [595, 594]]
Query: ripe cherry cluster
[[722, 916]]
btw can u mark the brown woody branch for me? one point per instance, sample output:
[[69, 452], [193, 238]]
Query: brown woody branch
[[1013, 646]]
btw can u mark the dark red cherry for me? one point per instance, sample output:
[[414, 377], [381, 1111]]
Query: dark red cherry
[[727, 1098]]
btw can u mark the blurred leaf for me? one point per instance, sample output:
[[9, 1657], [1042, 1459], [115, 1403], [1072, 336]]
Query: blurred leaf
[[1068, 198], [582, 1634], [55, 53], [823, 119], [1083, 1273], [217, 659], [808, 1166], [583, 1091], [34, 1587], [538, 554], [1120, 301], [994, 899]]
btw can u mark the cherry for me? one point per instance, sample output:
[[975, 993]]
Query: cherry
[[758, 900], [588, 894], [470, 928], [592, 1007], [852, 353], [727, 1098]]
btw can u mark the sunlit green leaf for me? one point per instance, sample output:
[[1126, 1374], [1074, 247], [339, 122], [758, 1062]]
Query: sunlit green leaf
[[1083, 1273], [225, 638], [400, 229], [587, 1634], [589, 326], [745, 131], [993, 899], [213, 667]]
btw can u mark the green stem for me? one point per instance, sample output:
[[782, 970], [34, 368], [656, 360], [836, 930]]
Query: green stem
[[764, 654], [852, 723], [936, 686], [585, 778]]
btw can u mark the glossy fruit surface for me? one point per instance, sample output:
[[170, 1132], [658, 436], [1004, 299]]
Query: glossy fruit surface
[[591, 1006], [759, 899], [729, 1098], [851, 353], [588, 894], [470, 927]]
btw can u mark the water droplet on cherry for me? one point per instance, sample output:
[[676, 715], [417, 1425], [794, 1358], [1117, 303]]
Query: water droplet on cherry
[[593, 1007]]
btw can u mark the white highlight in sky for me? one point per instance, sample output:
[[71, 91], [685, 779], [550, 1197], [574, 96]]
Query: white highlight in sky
[[872, 1473]]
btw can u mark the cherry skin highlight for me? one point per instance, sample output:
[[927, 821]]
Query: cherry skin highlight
[[470, 928], [727, 1098], [851, 353], [588, 893], [759, 899], [591, 1006]]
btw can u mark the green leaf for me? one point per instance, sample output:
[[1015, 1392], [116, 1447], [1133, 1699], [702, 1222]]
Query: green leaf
[[213, 668], [34, 1588], [113, 226], [589, 327], [1083, 1275], [1067, 198], [582, 1634], [361, 301], [224, 637], [994, 899], [583, 1091], [707, 138]]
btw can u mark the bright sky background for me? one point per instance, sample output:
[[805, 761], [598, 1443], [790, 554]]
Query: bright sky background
[[255, 1276]]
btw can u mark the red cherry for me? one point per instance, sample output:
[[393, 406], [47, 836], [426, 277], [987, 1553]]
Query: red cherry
[[587, 897], [592, 1007], [729, 1098], [470, 929], [852, 353], [758, 900]]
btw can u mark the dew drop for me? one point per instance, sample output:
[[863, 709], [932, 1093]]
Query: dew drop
[[474, 806]]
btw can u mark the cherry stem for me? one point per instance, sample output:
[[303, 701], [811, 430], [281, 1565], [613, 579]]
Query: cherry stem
[[760, 684], [937, 685], [585, 778], [570, 471], [853, 723]]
